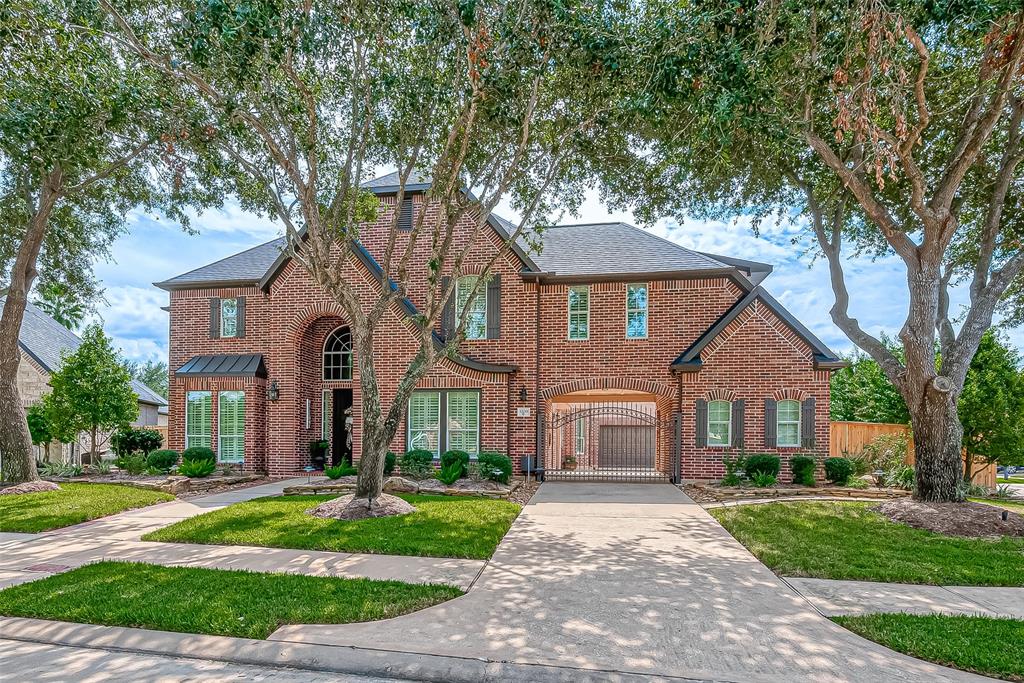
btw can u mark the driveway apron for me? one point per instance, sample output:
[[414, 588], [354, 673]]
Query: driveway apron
[[632, 578]]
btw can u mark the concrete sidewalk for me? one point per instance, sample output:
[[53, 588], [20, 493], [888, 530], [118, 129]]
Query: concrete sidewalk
[[838, 598], [632, 578]]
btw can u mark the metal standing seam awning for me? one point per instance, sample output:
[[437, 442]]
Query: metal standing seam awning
[[224, 365]]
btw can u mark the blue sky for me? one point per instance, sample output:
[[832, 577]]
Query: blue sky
[[155, 250]]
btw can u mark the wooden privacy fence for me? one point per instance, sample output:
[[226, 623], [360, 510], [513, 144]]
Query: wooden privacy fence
[[850, 438]]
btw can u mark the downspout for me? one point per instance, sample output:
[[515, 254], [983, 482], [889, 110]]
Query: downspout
[[536, 374]]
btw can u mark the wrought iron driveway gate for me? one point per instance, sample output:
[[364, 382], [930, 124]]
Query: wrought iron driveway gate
[[591, 441]]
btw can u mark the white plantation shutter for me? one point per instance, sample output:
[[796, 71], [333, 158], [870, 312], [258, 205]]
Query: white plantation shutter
[[231, 426], [425, 421], [198, 419], [464, 421]]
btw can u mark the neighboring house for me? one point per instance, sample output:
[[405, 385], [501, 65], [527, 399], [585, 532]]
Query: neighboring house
[[612, 353], [43, 340]]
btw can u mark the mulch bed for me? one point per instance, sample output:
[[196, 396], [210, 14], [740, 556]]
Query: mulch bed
[[711, 493], [29, 487], [971, 520], [349, 508], [524, 492]]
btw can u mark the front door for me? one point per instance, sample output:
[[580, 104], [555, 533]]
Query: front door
[[341, 426]]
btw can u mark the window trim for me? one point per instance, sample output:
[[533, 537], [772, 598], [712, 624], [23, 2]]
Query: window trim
[[442, 419], [646, 309], [779, 422], [569, 312], [223, 334], [727, 422], [479, 295], [221, 396], [350, 353], [325, 403], [580, 447], [188, 401]]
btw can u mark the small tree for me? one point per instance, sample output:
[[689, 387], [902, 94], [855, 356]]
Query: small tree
[[92, 392], [62, 304], [39, 427]]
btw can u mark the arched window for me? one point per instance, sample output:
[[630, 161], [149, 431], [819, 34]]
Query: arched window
[[788, 421], [338, 355], [719, 423]]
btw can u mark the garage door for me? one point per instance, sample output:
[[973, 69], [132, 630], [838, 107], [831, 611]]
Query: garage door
[[626, 446]]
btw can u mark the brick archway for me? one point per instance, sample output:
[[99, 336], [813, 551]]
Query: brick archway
[[301, 321], [626, 384]]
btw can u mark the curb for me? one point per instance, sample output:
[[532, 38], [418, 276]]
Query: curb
[[320, 658]]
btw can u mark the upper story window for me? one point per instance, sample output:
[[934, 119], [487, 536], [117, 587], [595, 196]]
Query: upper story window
[[229, 317], [719, 423], [338, 355], [579, 312], [475, 322], [636, 311], [788, 421]]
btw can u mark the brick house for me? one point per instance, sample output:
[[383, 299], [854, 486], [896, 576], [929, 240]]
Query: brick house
[[609, 352]]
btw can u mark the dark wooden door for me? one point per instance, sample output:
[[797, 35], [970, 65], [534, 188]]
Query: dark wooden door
[[341, 451]]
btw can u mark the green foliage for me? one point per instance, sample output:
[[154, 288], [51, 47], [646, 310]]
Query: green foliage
[[763, 479], [495, 466], [132, 464], [128, 441], [763, 464], [57, 469], [838, 470], [162, 460], [450, 473], [198, 453], [991, 406], [196, 468], [862, 393], [733, 465], [461, 457], [60, 303], [152, 373], [74, 503], [885, 452], [338, 471], [39, 425], [91, 389], [803, 469], [900, 477], [417, 464], [389, 463], [101, 467]]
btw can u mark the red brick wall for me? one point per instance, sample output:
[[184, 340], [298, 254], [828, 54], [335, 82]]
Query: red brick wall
[[288, 325]]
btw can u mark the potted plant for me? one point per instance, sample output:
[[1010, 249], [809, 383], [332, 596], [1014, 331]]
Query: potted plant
[[569, 462], [318, 454]]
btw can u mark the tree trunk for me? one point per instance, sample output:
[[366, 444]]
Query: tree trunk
[[937, 446], [969, 468], [19, 463], [92, 446]]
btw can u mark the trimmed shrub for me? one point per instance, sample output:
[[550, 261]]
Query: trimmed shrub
[[132, 464], [338, 471], [803, 469], [762, 464], [162, 460], [461, 457], [389, 463], [196, 468], [838, 470], [199, 453], [130, 441], [417, 464], [495, 466]]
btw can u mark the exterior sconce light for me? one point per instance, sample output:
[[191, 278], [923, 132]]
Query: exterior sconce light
[[522, 394], [273, 391]]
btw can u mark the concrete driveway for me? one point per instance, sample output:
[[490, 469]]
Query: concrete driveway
[[632, 578]]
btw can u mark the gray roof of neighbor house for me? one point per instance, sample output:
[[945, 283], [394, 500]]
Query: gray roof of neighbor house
[[45, 339]]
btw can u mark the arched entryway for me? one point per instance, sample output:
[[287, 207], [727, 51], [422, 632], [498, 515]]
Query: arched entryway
[[603, 434]]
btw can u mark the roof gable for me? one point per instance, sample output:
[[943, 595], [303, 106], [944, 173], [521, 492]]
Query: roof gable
[[690, 361]]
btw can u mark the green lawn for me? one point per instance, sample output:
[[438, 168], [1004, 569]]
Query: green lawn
[[848, 541], [1011, 480], [986, 646], [73, 504], [213, 601], [1012, 505], [442, 526]]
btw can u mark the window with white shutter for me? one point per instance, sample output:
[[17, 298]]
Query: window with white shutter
[[425, 421], [231, 426], [198, 419], [788, 420], [463, 422]]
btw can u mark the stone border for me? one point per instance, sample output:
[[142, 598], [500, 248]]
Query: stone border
[[727, 493], [173, 484], [431, 487]]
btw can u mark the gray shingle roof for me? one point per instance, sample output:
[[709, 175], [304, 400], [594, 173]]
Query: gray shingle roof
[[245, 267], [389, 182], [615, 248], [45, 340]]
